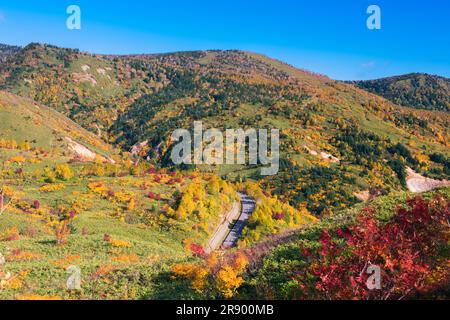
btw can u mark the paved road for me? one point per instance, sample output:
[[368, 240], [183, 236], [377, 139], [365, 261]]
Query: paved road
[[223, 229], [248, 206]]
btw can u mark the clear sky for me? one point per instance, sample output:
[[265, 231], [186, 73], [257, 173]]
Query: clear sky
[[324, 36]]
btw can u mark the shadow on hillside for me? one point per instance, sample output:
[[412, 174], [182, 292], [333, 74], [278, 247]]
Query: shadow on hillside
[[165, 287]]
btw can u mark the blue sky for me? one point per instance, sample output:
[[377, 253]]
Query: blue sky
[[324, 36]]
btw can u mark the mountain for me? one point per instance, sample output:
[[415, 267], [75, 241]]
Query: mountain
[[333, 134], [415, 90], [86, 180]]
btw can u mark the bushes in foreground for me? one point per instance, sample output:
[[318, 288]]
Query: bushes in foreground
[[411, 250]]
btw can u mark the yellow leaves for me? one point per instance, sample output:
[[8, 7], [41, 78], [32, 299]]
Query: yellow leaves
[[63, 172], [212, 260], [240, 262], [34, 161], [51, 188], [25, 146], [440, 137], [131, 205], [228, 281], [96, 169], [11, 234], [214, 185], [65, 262], [222, 273], [18, 159], [20, 256], [120, 243], [271, 215], [8, 191], [31, 297], [97, 187], [8, 144], [104, 270], [122, 196], [13, 282], [49, 175], [131, 258], [196, 274]]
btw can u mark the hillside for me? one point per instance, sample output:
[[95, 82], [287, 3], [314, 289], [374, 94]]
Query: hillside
[[87, 181], [123, 222], [403, 234], [7, 51], [342, 138], [416, 90], [313, 263], [24, 120]]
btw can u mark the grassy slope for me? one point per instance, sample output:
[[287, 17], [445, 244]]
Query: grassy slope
[[24, 119], [155, 243]]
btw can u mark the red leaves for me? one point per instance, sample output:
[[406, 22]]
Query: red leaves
[[154, 196], [197, 250], [305, 253], [407, 249], [36, 204], [278, 216]]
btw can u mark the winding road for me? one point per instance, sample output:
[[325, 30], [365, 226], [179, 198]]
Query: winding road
[[235, 219], [248, 205]]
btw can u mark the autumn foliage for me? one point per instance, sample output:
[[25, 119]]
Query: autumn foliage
[[216, 275], [409, 249]]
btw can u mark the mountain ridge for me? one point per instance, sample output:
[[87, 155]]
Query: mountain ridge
[[416, 90]]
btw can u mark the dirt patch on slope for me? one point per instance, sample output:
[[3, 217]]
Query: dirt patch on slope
[[418, 183], [325, 156], [84, 77], [84, 154]]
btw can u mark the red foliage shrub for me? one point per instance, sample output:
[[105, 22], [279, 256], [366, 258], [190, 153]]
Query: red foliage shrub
[[197, 250], [36, 204], [408, 250], [278, 216]]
